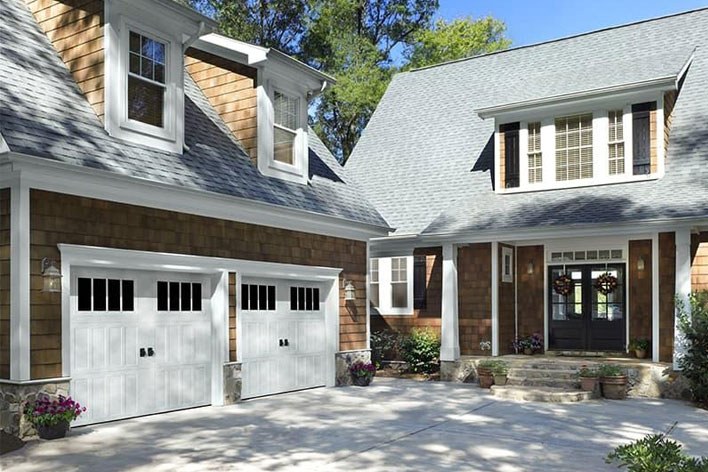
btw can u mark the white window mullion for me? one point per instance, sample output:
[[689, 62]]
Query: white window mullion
[[548, 150]]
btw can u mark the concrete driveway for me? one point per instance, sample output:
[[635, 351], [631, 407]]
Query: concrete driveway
[[392, 425]]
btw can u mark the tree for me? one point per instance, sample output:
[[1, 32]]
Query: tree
[[458, 39]]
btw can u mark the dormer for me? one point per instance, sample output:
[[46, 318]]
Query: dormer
[[144, 73], [595, 137], [242, 80]]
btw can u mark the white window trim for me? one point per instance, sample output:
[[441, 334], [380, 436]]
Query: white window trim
[[120, 21], [385, 290], [601, 174], [268, 84], [507, 277]]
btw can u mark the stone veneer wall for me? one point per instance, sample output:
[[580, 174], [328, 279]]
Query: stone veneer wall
[[232, 383], [474, 286], [344, 359], [12, 398], [639, 284]]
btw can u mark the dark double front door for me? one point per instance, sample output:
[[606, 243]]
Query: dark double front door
[[586, 319]]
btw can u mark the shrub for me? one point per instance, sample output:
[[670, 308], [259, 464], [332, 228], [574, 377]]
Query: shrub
[[610, 370], [384, 345], [588, 372], [656, 453], [421, 349], [495, 366], [694, 364]]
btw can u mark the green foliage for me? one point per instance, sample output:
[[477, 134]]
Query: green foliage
[[639, 343], [383, 343], [694, 364], [656, 453], [495, 366], [610, 370], [588, 372], [460, 38], [421, 349]]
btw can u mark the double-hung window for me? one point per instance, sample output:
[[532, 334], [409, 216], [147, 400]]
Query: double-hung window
[[535, 158], [616, 142], [374, 282], [146, 80], [399, 282], [285, 124], [574, 147]]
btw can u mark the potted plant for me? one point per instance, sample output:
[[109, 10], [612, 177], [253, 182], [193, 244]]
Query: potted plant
[[641, 347], [528, 344], [51, 417], [614, 381], [499, 372], [362, 373], [485, 373], [589, 378]]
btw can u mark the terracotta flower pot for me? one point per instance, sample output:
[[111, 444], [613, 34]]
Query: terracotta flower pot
[[615, 387], [640, 353], [588, 383], [528, 351], [54, 431], [499, 379], [486, 379]]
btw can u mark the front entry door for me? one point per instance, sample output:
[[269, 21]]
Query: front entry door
[[586, 318]]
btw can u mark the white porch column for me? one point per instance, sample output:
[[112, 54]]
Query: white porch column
[[655, 297], [19, 281], [683, 287], [449, 330], [495, 298]]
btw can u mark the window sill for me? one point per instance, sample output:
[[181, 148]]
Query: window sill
[[580, 184]]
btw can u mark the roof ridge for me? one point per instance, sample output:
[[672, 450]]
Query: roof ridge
[[563, 38]]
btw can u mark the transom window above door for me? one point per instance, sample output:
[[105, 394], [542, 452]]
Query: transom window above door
[[107, 295], [179, 296]]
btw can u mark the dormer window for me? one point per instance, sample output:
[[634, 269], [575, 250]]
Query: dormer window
[[535, 157], [146, 80], [285, 126], [574, 147], [616, 142]]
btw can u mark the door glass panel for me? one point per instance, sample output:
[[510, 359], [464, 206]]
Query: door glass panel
[[567, 307], [99, 294], [162, 296], [244, 297], [113, 295], [128, 295], [253, 295], [293, 298], [271, 297], [84, 294], [186, 296], [608, 307], [316, 299], [174, 296], [196, 296]]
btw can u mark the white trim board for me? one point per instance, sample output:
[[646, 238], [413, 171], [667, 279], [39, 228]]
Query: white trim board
[[43, 174]]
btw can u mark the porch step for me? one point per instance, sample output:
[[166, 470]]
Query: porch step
[[564, 373], [540, 394], [551, 382], [604, 354]]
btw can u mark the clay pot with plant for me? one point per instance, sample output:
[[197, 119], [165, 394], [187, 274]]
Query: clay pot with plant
[[485, 373], [499, 372], [614, 381], [641, 347], [589, 378]]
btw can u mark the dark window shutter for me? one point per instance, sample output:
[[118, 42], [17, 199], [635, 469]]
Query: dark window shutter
[[511, 154], [420, 289], [641, 145]]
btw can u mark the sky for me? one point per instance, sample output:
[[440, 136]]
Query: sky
[[530, 22]]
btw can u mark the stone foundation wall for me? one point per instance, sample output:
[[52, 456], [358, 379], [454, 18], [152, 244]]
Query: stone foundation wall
[[232, 383], [344, 359], [13, 398]]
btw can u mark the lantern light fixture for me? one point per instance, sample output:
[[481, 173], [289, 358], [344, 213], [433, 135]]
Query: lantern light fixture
[[640, 264], [50, 276], [349, 291]]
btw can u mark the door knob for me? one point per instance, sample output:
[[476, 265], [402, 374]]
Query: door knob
[[151, 352], [142, 352], [280, 342]]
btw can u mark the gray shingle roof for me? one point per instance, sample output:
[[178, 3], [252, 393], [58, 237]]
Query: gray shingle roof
[[44, 114], [426, 158]]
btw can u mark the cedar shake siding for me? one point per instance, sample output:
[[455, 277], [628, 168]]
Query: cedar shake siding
[[530, 292], [475, 295], [230, 89], [699, 263], [507, 318], [59, 218], [669, 102], [421, 317], [5, 283], [667, 292], [639, 284], [75, 29]]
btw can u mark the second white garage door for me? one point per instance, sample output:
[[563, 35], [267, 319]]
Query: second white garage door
[[283, 336]]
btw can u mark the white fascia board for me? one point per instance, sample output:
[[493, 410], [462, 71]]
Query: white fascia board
[[176, 11], [90, 256], [657, 84], [4, 148], [235, 50], [59, 177]]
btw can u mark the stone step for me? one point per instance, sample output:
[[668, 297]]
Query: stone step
[[540, 394], [569, 374], [554, 365], [542, 382]]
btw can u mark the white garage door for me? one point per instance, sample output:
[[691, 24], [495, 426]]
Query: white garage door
[[140, 342], [283, 336]]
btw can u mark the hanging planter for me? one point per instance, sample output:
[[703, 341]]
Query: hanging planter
[[563, 285], [606, 283]]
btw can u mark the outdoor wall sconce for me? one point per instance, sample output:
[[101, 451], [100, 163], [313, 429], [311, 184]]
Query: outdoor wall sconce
[[349, 291], [640, 264], [529, 267], [51, 276]]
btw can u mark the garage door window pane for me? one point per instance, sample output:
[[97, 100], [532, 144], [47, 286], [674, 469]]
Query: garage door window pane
[[244, 297], [113, 295], [293, 298], [162, 296], [84, 295], [271, 297], [99, 294], [308, 299], [316, 299], [253, 293], [186, 296], [128, 295], [174, 296], [196, 297]]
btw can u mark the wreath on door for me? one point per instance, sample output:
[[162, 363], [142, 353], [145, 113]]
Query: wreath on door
[[563, 285], [606, 283]]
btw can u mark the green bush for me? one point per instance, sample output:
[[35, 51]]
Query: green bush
[[694, 364], [384, 345], [610, 370], [421, 349], [656, 453]]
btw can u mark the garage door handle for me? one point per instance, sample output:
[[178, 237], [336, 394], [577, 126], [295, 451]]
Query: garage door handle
[[286, 343], [142, 352], [280, 342], [151, 352]]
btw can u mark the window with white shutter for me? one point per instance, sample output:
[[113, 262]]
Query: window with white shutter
[[534, 153], [574, 147], [616, 142]]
